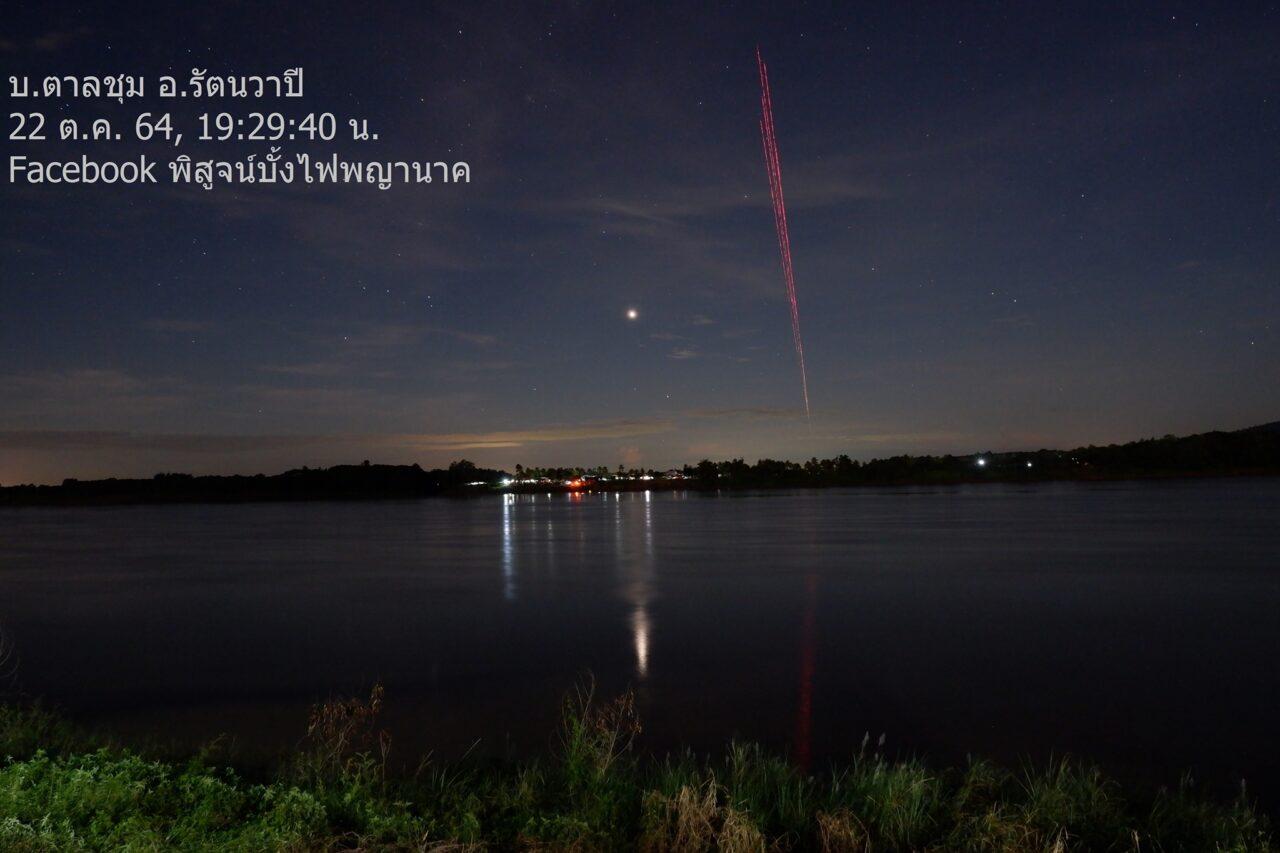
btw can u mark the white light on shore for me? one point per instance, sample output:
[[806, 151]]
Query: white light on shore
[[982, 463]]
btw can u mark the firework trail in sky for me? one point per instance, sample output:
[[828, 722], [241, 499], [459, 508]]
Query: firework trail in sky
[[774, 168]]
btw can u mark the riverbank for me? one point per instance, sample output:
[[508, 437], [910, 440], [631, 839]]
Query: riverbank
[[1243, 453], [62, 788]]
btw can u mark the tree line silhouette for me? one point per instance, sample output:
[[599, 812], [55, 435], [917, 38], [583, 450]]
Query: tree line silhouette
[[1253, 451]]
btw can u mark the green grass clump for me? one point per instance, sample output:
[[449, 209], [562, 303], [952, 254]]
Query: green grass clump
[[64, 789]]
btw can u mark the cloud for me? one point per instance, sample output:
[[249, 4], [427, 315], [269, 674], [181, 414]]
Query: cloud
[[751, 412], [1016, 321], [47, 42], [92, 398], [97, 440], [73, 392], [683, 353], [855, 438], [335, 369], [477, 338], [375, 336], [674, 204], [170, 325], [215, 443], [78, 380], [315, 369], [398, 231], [453, 368], [58, 39], [313, 400], [557, 433]]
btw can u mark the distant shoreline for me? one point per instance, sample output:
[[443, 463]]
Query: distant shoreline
[[1253, 452], [474, 493]]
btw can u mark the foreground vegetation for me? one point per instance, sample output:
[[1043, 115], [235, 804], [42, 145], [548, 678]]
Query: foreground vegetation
[[62, 789]]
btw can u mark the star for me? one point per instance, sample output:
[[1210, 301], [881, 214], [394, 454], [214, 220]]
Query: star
[[633, 314]]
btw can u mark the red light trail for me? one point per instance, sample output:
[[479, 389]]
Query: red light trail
[[774, 167]]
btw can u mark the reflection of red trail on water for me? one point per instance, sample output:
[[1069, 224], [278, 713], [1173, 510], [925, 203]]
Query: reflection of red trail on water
[[773, 165], [808, 655]]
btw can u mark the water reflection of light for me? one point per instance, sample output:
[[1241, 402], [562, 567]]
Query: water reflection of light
[[640, 638], [634, 556], [808, 652], [508, 547]]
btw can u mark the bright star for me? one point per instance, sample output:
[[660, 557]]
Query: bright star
[[633, 314]]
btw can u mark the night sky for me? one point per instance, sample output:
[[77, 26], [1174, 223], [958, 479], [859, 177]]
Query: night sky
[[1013, 226]]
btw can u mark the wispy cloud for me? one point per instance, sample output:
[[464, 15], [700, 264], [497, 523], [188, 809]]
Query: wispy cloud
[[214, 443], [58, 39], [73, 393], [377, 336], [76, 380], [541, 435], [675, 204], [314, 369], [47, 42], [98, 440], [168, 325], [750, 412]]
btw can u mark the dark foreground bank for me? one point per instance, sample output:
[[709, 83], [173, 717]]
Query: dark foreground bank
[[63, 789]]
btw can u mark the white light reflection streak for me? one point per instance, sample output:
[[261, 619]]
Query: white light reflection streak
[[508, 547], [640, 590]]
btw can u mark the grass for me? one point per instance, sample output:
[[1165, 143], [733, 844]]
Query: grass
[[64, 789]]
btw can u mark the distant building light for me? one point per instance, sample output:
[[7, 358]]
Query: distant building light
[[507, 481], [1028, 463], [982, 463], [646, 477]]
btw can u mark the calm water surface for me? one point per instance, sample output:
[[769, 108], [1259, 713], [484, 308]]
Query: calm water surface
[[1138, 624]]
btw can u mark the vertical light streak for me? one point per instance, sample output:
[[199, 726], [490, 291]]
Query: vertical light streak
[[773, 167], [508, 547]]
